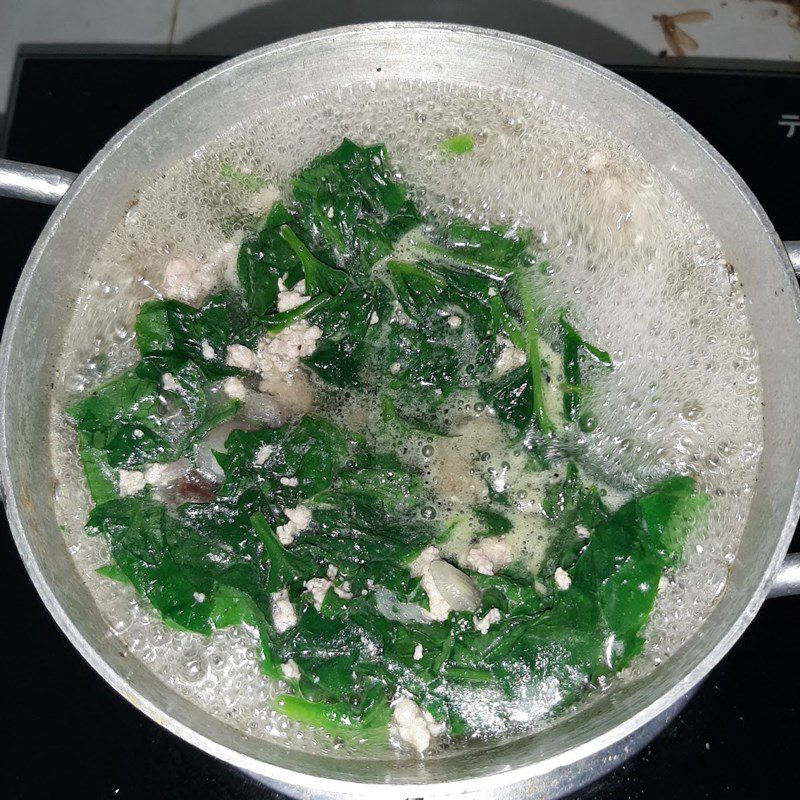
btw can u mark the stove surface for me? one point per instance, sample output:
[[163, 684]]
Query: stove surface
[[71, 731]]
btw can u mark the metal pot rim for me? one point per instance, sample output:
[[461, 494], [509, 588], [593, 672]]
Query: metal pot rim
[[271, 770]]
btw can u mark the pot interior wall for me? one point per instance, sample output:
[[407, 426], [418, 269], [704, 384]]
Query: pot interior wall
[[208, 107]]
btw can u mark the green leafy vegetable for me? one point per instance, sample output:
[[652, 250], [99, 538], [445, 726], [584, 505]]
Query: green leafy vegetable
[[457, 145], [319, 277], [119, 427], [349, 339], [202, 335], [366, 720], [351, 197], [113, 573], [493, 521], [150, 548], [574, 343], [248, 181], [328, 518]]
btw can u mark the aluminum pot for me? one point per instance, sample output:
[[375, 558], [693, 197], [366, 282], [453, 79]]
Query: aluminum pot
[[576, 749]]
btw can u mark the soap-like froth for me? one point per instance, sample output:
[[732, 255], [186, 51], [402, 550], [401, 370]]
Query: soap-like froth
[[639, 270]]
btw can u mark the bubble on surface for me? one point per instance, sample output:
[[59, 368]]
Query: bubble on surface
[[641, 273]]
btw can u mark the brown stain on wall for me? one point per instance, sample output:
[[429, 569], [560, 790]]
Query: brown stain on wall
[[792, 8]]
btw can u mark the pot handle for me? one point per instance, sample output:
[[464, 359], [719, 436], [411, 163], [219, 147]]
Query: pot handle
[[787, 578], [31, 182], [793, 251]]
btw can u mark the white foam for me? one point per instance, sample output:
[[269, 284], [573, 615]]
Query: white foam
[[641, 273]]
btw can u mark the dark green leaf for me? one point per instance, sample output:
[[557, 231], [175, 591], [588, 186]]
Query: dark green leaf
[[263, 259], [511, 397], [114, 573], [319, 277], [492, 521], [171, 328], [574, 345]]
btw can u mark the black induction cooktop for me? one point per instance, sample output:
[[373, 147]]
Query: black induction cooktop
[[72, 735]]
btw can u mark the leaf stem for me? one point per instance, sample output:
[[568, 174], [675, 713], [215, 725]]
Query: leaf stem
[[482, 268], [526, 296], [277, 322]]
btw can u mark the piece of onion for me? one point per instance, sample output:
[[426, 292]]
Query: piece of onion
[[457, 589], [214, 440], [263, 409], [391, 608]]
